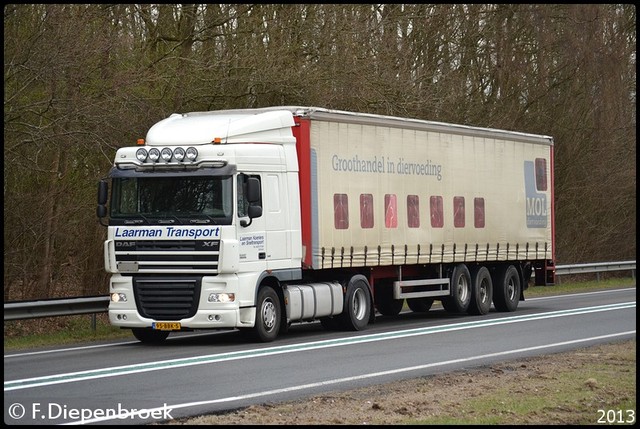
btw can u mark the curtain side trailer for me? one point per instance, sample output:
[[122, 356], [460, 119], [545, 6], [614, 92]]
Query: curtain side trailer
[[258, 218]]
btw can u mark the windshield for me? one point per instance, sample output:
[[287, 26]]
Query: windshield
[[174, 199]]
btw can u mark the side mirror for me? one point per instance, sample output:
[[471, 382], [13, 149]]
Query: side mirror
[[253, 196], [253, 190], [103, 194], [254, 211]]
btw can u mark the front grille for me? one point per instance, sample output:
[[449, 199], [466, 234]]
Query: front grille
[[168, 245], [165, 256], [167, 298]]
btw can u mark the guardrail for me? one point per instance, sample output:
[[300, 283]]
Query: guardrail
[[598, 268], [55, 307], [99, 304]]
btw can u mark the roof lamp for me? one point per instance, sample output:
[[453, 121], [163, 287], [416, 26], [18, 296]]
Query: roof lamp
[[141, 154], [192, 153], [166, 154], [154, 154], [178, 154]]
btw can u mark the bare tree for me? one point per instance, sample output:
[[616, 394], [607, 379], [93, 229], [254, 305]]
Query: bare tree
[[83, 80]]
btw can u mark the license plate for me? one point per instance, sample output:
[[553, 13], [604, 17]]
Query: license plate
[[166, 326]]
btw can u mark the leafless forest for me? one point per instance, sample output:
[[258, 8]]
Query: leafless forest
[[82, 80]]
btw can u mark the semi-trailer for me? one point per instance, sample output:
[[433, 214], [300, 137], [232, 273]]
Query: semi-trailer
[[253, 219]]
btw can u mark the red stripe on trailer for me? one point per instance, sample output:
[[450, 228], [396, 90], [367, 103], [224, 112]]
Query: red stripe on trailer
[[553, 203], [303, 147]]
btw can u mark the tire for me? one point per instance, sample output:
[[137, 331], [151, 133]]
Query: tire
[[420, 305], [268, 315], [357, 305], [507, 289], [385, 304], [481, 290], [460, 297], [149, 336]]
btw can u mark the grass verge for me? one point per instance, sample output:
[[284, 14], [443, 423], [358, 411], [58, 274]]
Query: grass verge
[[50, 331]]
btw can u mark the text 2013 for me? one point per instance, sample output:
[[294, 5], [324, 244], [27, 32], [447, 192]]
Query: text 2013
[[616, 416]]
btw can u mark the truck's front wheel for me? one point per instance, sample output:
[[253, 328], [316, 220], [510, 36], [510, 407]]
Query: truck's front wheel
[[357, 304], [268, 315]]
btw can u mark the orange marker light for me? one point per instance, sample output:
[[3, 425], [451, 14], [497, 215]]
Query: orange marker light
[[140, 141], [217, 140]]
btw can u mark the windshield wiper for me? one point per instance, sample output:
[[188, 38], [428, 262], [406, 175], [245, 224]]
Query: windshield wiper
[[208, 219], [137, 221], [168, 219]]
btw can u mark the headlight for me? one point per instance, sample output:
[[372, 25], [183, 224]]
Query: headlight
[[118, 297], [222, 297]]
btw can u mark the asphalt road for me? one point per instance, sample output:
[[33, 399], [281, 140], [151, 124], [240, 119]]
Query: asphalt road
[[126, 382]]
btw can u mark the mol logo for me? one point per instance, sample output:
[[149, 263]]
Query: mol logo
[[536, 209], [537, 206]]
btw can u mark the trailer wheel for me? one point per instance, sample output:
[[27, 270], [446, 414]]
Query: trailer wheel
[[460, 297], [268, 315], [481, 290], [506, 294], [386, 305], [357, 305], [149, 336], [420, 305]]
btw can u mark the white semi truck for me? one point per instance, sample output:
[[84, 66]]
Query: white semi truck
[[253, 219]]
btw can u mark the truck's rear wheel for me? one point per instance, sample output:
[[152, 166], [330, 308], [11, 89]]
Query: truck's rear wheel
[[481, 290], [268, 315], [460, 297], [386, 305], [150, 336], [507, 288], [420, 305], [357, 305]]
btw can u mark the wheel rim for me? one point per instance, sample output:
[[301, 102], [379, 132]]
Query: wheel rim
[[484, 291], [268, 314], [511, 289], [463, 289], [359, 304]]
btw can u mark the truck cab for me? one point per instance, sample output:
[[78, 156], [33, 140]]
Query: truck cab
[[200, 211]]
